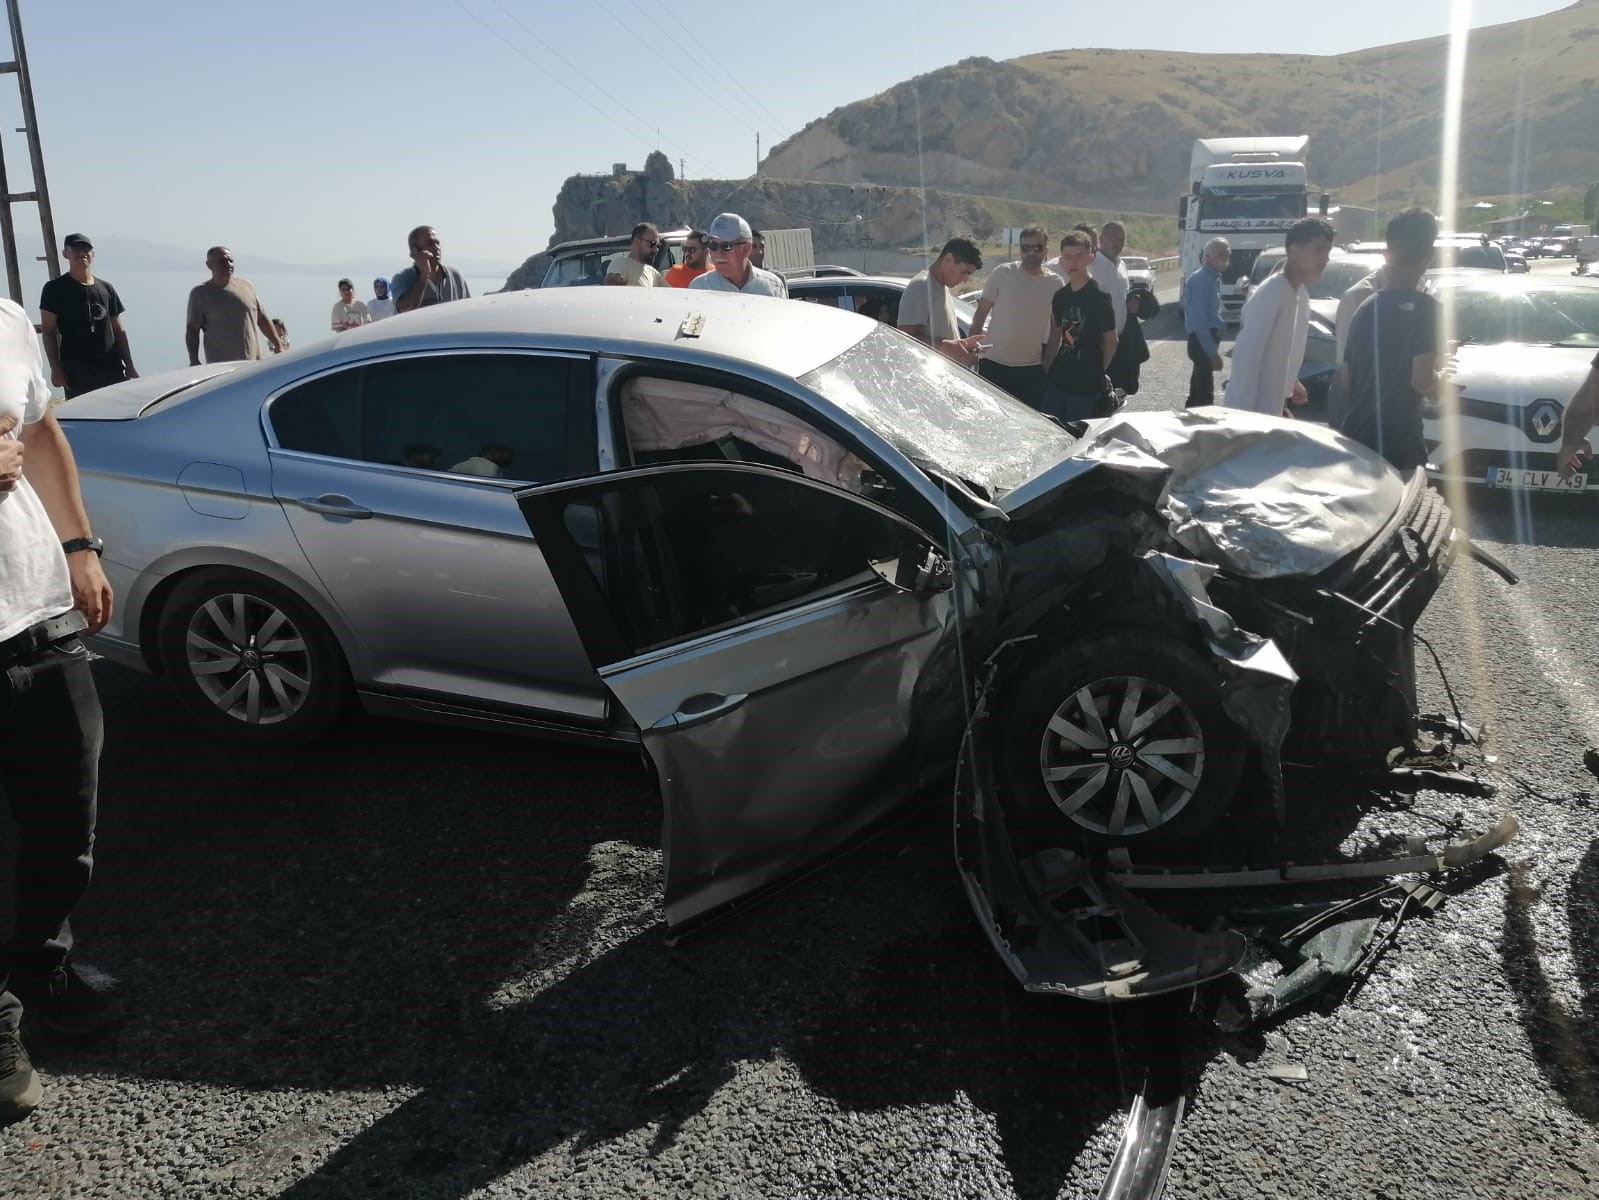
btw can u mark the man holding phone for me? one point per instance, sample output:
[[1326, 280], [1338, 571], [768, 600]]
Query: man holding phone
[[427, 280]]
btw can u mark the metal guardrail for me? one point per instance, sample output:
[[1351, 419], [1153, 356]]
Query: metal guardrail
[[1164, 264]]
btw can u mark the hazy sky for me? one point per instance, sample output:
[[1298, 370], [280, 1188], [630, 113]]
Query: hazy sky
[[317, 130]]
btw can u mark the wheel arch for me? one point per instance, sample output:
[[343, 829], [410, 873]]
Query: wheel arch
[[177, 568]]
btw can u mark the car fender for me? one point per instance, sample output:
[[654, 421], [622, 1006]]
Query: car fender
[[149, 589]]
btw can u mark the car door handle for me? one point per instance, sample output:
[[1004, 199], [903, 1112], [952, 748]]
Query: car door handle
[[696, 710], [332, 504]]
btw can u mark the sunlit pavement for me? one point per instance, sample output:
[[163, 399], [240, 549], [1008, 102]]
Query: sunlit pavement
[[415, 962]]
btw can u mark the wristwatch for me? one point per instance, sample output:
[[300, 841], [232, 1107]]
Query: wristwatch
[[88, 543]]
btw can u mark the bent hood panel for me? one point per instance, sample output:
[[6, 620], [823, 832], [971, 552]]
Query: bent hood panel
[[1261, 497]]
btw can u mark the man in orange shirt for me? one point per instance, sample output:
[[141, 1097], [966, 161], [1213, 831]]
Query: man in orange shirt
[[694, 262]]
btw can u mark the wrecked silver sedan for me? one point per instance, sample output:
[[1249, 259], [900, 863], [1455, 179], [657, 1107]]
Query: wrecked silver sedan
[[791, 551], [804, 578]]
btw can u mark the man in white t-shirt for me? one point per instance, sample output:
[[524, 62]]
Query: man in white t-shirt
[[927, 307], [635, 269], [1015, 314], [1271, 341], [51, 590]]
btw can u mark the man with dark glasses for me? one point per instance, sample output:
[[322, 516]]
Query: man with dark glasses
[[1015, 313], [636, 268], [695, 261], [730, 244]]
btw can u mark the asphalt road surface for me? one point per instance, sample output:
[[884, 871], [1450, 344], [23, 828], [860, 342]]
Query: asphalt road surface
[[416, 962]]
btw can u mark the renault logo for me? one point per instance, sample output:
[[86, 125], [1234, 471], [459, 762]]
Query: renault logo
[[1543, 420]]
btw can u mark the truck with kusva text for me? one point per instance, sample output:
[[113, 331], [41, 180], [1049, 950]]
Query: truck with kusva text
[[1248, 190]]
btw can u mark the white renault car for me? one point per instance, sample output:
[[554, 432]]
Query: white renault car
[[1526, 344]]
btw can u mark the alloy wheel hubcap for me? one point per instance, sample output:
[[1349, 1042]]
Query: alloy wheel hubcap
[[248, 659], [1122, 756]]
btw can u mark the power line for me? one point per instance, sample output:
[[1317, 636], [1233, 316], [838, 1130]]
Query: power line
[[686, 77], [564, 84], [777, 122], [702, 57], [580, 74]]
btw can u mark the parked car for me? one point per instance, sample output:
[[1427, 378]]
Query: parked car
[[1526, 344], [821, 271], [785, 550], [1139, 272], [875, 296], [1516, 262], [1454, 252], [586, 261]]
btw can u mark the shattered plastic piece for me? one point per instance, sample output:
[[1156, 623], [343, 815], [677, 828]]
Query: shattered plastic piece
[[1288, 1072], [1455, 854], [1259, 679], [1058, 925]]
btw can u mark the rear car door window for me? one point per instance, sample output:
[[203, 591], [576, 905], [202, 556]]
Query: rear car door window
[[516, 417]]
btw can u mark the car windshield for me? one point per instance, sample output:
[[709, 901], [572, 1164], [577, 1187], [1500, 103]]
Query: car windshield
[[1135, 264], [1340, 276], [945, 419], [1554, 316], [587, 267]]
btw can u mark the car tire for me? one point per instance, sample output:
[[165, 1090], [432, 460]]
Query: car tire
[[251, 662], [1063, 788]]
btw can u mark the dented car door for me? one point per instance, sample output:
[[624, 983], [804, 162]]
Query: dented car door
[[771, 637]]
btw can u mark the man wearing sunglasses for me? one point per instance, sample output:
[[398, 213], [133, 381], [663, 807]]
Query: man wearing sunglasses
[[730, 244], [1015, 312], [636, 270], [694, 264]]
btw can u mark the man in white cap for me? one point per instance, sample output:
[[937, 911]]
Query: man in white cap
[[730, 243]]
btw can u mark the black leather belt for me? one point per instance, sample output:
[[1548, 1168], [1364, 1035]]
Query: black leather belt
[[36, 637]]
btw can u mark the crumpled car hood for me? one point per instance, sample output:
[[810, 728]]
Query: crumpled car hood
[[1261, 497]]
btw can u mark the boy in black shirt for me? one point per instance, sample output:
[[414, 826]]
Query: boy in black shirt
[[1082, 339], [1392, 356], [81, 317]]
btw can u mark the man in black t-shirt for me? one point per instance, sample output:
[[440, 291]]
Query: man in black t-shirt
[[1082, 339], [1581, 413], [1392, 353], [82, 321]]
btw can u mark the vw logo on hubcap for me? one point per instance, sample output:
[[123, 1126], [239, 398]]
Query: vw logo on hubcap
[[251, 660], [1122, 756]]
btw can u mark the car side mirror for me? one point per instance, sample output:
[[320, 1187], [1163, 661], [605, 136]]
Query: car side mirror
[[921, 571]]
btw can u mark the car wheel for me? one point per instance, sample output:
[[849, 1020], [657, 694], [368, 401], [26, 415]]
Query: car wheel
[[1118, 739], [250, 661]]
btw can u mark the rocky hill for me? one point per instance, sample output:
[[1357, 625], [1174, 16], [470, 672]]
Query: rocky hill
[[845, 219], [1114, 127]]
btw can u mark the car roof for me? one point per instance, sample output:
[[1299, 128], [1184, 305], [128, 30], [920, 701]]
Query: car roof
[[805, 281], [790, 339], [578, 245]]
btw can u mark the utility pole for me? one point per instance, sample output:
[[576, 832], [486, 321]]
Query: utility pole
[[757, 154], [40, 195]]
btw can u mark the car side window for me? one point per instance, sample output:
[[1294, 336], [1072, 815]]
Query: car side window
[[321, 417], [499, 416], [694, 549], [496, 416]]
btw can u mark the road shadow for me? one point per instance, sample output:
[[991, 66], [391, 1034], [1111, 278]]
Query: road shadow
[[1564, 1035], [475, 919], [1527, 518]]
